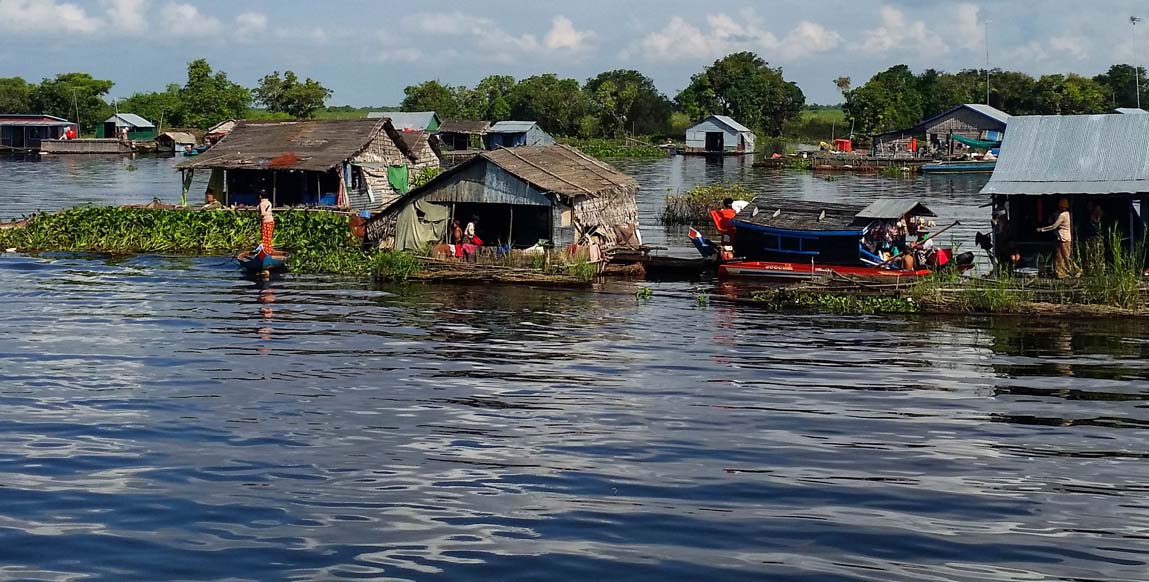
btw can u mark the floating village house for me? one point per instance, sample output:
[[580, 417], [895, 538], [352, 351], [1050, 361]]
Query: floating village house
[[410, 120], [363, 164], [174, 141], [521, 196], [514, 134], [138, 127], [461, 140], [719, 134], [1092, 161], [218, 131], [20, 131], [972, 124]]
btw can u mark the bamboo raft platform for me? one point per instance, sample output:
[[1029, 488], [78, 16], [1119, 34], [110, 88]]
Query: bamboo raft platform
[[457, 271]]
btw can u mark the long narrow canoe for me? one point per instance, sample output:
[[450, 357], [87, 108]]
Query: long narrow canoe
[[972, 167]]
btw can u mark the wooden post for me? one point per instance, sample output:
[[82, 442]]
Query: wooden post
[[274, 187], [511, 229], [318, 189]]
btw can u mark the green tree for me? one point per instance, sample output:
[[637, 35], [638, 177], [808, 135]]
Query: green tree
[[288, 95], [70, 93], [16, 95], [743, 86], [556, 104], [490, 100], [1120, 82], [210, 97], [165, 107], [627, 100], [890, 100], [432, 96], [1070, 95]]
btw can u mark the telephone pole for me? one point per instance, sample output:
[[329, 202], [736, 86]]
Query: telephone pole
[[987, 62], [1136, 68]]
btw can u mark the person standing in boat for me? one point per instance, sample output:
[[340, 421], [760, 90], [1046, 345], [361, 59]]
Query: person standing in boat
[[266, 221], [1063, 259]]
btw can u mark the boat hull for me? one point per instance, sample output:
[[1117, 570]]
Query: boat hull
[[262, 261], [784, 271], [959, 168]]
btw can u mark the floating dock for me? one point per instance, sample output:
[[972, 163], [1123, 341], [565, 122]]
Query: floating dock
[[85, 146]]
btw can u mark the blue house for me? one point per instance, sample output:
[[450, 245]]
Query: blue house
[[513, 134]]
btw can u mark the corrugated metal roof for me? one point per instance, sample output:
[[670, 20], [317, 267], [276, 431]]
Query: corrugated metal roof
[[130, 119], [729, 122], [894, 208], [1073, 154], [991, 112], [11, 116], [1130, 111], [420, 120], [33, 123], [512, 127]]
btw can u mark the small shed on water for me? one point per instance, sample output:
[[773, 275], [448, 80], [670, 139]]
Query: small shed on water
[[174, 141], [138, 127], [1098, 163], [21, 131], [410, 120], [521, 196], [719, 134], [362, 164], [514, 134]]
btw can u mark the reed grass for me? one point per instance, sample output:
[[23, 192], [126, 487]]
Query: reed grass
[[694, 205]]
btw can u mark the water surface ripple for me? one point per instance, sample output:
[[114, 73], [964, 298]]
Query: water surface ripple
[[166, 420]]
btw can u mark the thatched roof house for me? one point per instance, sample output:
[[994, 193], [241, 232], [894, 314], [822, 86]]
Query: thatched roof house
[[174, 141], [521, 196], [356, 163]]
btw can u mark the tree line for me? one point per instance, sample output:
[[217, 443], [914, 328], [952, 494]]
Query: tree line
[[205, 99], [898, 99], [614, 103]]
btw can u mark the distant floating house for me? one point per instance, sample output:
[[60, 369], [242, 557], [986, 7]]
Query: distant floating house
[[1130, 111], [218, 131], [19, 131], [521, 196], [719, 134], [174, 141], [972, 124], [362, 164], [1089, 160], [463, 134], [514, 134], [138, 127], [410, 120]]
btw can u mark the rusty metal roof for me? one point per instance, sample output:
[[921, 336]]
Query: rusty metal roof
[[1073, 154]]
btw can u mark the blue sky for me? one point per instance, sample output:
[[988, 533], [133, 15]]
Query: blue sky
[[367, 51]]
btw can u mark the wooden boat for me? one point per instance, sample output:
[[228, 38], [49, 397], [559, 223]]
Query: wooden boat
[[966, 167], [795, 239], [261, 261], [782, 271]]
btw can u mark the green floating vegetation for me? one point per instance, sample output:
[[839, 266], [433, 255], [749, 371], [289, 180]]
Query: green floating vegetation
[[694, 205], [318, 241], [787, 299], [615, 148]]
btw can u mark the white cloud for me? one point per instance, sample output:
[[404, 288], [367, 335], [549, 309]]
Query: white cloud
[[967, 26], [897, 32], [250, 23], [399, 55], [39, 16], [563, 36], [681, 40], [127, 16], [491, 42], [185, 20]]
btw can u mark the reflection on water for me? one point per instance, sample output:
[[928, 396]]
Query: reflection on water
[[166, 419]]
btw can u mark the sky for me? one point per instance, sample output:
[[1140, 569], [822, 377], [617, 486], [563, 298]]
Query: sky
[[367, 51]]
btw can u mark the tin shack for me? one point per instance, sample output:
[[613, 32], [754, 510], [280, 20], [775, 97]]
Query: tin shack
[[513, 134], [1099, 164], [719, 134], [363, 164], [521, 196], [19, 131]]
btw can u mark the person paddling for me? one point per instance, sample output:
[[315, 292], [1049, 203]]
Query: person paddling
[[266, 221]]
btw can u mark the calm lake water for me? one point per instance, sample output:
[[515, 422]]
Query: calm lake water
[[164, 419]]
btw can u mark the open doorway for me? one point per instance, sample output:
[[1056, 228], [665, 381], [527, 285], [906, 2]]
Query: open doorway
[[715, 141], [522, 225]]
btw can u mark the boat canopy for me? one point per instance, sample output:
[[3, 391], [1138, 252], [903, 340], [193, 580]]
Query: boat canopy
[[894, 209], [976, 143]]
